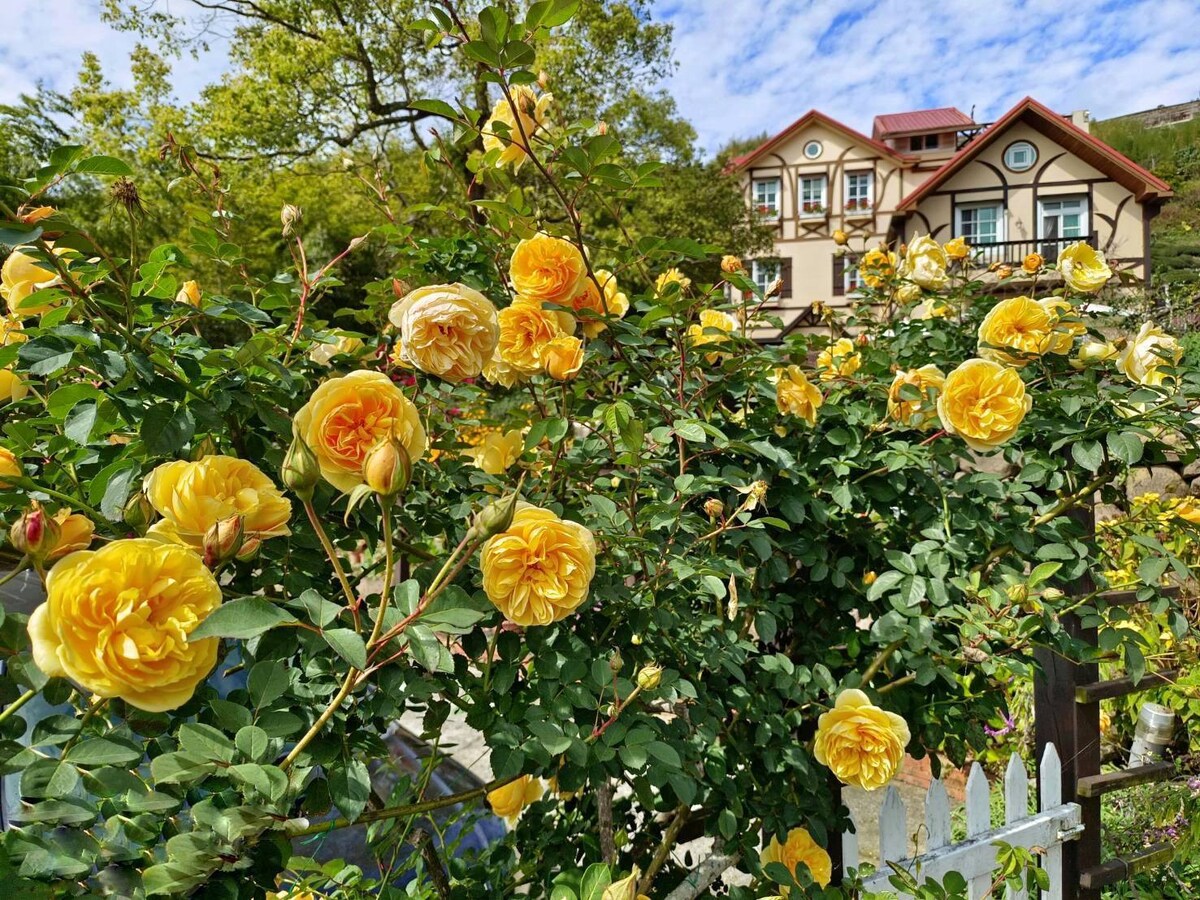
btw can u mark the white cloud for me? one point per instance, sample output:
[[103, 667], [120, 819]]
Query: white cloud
[[749, 66]]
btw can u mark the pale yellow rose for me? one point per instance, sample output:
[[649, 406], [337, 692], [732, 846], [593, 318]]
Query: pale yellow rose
[[11, 331], [116, 621], [1065, 325], [12, 387], [669, 277], [447, 330], [714, 327], [189, 293], [957, 248], [1083, 267], [498, 371], [1147, 355], [877, 267], [509, 801], [922, 412], [346, 417], [1015, 331], [345, 345], [862, 744], [546, 269], [908, 293], [1033, 262], [838, 360], [526, 330], [983, 402], [192, 497], [795, 395], [22, 275], [502, 131], [925, 263], [497, 451], [539, 570], [75, 532], [800, 848], [1094, 353], [10, 467], [594, 308], [563, 357]]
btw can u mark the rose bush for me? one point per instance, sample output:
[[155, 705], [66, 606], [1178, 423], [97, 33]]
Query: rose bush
[[693, 582]]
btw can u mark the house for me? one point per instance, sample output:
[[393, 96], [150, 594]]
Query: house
[[1033, 180]]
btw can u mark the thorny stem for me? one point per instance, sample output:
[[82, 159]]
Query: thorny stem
[[682, 814], [16, 705], [879, 660], [351, 598], [347, 686], [389, 570]]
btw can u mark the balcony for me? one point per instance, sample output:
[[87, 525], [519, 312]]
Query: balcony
[[1014, 252]]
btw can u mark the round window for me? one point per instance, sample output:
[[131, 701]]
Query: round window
[[813, 149], [1019, 156]]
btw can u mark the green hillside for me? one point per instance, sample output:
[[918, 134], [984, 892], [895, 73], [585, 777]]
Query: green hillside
[[1173, 153]]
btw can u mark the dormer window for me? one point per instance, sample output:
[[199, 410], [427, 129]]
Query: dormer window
[[920, 142]]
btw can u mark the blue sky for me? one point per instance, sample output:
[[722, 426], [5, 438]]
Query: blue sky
[[748, 66]]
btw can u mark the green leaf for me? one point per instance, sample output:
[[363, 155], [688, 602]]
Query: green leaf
[[80, 421], [206, 742], [1126, 446], [243, 618], [103, 752], [102, 165], [180, 768], [320, 611], [437, 107], [166, 429], [267, 682], [348, 644], [1151, 570], [46, 355], [1088, 454], [350, 787], [596, 879], [252, 742]]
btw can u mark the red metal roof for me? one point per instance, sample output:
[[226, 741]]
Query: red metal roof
[[1066, 133], [941, 119], [812, 115]]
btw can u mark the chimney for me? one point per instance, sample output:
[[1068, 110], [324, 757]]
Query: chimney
[[1081, 118]]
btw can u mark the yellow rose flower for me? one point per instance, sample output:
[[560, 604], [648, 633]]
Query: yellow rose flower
[[189, 293], [563, 357], [1093, 353], [1015, 331], [192, 497], [795, 395], [116, 621], [800, 848], [502, 131], [877, 267], [1065, 325], [509, 801], [731, 264], [540, 568], [22, 275], [922, 412], [862, 744], [546, 269], [1033, 262], [12, 387], [840, 238], [346, 417], [925, 263], [345, 345], [595, 309], [909, 293], [497, 451], [671, 276], [983, 403], [714, 328], [498, 371], [75, 532], [526, 330], [447, 330], [839, 359], [11, 331], [10, 467], [1146, 355], [957, 248], [1083, 267]]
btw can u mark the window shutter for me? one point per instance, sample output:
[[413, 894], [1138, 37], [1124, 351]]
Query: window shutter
[[839, 276], [785, 276]]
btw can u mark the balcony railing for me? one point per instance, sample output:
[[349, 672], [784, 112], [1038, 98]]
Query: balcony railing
[[1014, 252]]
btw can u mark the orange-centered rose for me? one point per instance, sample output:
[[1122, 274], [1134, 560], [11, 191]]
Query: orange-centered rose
[[912, 398], [862, 744], [795, 395], [983, 403], [1016, 331], [526, 330], [447, 330], [539, 570], [346, 417], [192, 497], [116, 621], [800, 848], [547, 269]]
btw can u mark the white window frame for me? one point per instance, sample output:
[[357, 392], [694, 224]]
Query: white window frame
[[973, 240], [820, 197], [763, 272], [760, 192], [853, 192], [1023, 145], [851, 279], [1055, 204]]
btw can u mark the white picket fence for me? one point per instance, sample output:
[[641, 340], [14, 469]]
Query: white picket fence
[[975, 858]]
